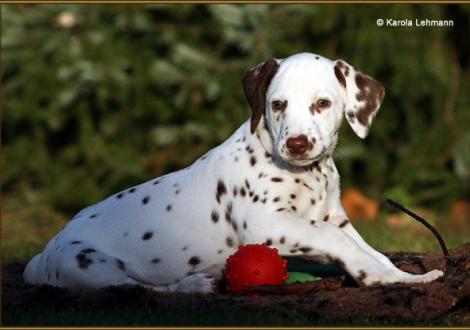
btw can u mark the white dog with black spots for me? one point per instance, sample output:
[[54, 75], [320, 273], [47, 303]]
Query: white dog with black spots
[[273, 181]]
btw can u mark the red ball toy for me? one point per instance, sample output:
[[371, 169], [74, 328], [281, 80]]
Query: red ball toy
[[252, 265]]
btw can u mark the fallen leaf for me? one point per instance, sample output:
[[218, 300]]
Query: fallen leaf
[[358, 206], [461, 211]]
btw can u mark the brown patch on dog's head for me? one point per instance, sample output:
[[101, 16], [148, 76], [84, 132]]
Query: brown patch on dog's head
[[255, 84], [339, 74], [372, 93]]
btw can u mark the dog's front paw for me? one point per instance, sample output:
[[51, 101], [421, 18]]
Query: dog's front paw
[[425, 278], [403, 277], [390, 276]]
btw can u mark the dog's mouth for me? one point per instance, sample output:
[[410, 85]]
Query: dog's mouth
[[306, 160]]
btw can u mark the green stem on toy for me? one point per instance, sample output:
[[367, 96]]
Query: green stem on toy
[[427, 225]]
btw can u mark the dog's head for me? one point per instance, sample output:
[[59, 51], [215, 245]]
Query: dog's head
[[302, 100]]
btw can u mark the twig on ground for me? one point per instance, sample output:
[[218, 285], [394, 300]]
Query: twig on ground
[[427, 225]]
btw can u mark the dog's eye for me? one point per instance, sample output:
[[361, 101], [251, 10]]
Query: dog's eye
[[278, 105], [323, 103]]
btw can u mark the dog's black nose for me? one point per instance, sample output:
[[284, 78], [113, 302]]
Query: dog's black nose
[[297, 145]]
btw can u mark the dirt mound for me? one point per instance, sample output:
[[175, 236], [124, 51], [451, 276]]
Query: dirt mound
[[330, 298]]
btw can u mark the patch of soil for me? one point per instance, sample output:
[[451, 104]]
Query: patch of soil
[[334, 297]]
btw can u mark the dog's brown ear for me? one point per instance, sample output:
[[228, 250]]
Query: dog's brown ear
[[363, 97], [255, 84]]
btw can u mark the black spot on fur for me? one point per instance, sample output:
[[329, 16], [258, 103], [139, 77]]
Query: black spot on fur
[[145, 200], [297, 180], [243, 192], [168, 207], [155, 260], [312, 201], [156, 182], [244, 225], [215, 216], [194, 261], [293, 196], [307, 186], [219, 251], [220, 191], [247, 184], [120, 264], [249, 149], [305, 249], [255, 199], [228, 212], [268, 242], [282, 240], [277, 179], [87, 251], [93, 215], [312, 222], [132, 190], [280, 209], [120, 195], [83, 261], [344, 223], [147, 235], [76, 242], [362, 276], [252, 160], [276, 199], [293, 208], [184, 248], [229, 241], [326, 217]]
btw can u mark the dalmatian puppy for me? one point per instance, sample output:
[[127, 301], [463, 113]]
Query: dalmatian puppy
[[273, 181]]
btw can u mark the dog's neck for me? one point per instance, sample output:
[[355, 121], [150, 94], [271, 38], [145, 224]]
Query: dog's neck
[[262, 136]]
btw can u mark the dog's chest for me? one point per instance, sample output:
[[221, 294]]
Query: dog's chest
[[254, 180], [307, 194]]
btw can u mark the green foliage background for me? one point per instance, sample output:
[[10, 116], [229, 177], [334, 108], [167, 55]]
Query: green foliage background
[[119, 94]]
